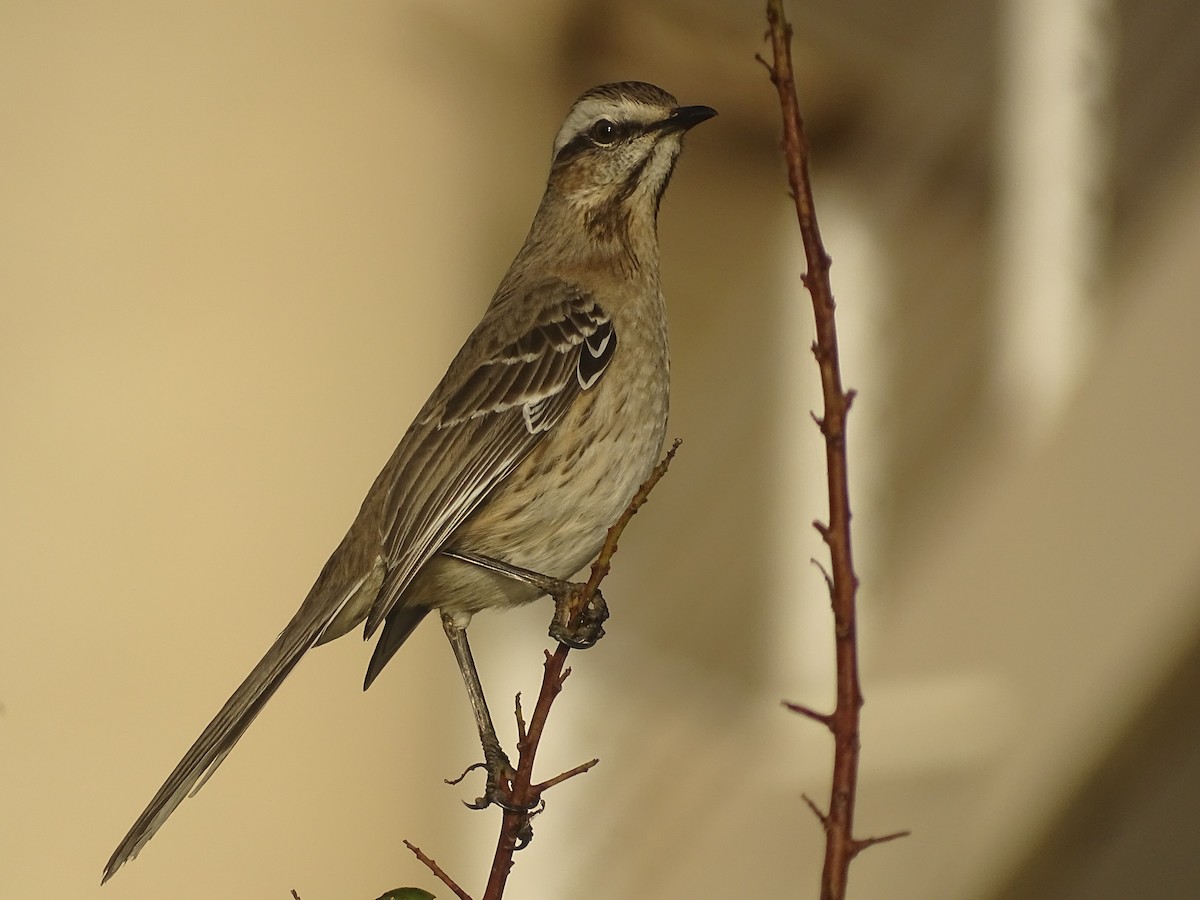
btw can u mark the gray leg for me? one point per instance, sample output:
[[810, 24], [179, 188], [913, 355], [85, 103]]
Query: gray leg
[[578, 628], [495, 759], [552, 586]]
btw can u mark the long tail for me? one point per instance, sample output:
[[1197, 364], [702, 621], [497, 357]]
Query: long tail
[[219, 737]]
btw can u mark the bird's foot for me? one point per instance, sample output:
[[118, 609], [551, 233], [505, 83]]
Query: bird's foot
[[577, 624], [498, 787]]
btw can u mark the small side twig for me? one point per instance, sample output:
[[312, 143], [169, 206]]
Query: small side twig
[[570, 773], [438, 871]]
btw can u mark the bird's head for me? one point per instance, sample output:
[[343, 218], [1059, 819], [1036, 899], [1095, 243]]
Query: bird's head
[[615, 153]]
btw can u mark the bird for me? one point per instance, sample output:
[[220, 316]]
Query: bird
[[547, 420]]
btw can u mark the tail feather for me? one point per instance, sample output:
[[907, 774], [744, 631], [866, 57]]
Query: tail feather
[[219, 737], [400, 624]]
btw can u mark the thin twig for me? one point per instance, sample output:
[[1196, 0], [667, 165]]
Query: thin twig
[[438, 871], [570, 773], [840, 843]]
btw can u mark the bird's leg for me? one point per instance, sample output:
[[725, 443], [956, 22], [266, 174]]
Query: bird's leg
[[499, 769], [552, 586], [575, 624]]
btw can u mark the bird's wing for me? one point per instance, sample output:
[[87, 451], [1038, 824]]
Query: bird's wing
[[482, 421]]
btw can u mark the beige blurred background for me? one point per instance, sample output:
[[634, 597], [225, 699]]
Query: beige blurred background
[[240, 241]]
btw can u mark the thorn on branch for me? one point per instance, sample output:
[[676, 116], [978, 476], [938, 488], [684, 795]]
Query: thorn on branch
[[816, 810], [521, 732], [824, 573], [849, 398], [863, 843], [808, 712], [822, 529], [771, 73]]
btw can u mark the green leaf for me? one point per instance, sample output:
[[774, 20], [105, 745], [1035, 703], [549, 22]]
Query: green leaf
[[407, 893]]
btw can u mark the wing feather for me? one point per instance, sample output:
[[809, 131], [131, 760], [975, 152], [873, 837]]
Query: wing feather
[[483, 420]]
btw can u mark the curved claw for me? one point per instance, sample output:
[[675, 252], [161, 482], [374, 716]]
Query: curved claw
[[525, 835], [484, 803], [467, 771], [500, 775], [577, 642], [493, 794]]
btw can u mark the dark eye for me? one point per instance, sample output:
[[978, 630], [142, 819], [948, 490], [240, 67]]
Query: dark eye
[[603, 132]]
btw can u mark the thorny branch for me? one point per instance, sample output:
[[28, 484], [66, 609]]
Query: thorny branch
[[522, 799], [838, 822]]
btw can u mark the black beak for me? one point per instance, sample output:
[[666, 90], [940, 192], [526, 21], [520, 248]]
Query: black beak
[[684, 117]]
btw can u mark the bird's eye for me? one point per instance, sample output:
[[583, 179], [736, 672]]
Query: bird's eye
[[603, 132]]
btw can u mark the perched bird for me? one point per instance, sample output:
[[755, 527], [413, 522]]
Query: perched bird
[[547, 420]]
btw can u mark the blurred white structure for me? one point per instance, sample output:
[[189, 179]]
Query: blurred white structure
[[1055, 135]]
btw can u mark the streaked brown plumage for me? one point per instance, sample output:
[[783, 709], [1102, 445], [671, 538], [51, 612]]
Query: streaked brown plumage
[[549, 417]]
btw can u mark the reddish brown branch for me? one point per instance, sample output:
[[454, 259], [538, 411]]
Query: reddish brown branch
[[523, 799], [603, 562], [840, 844]]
